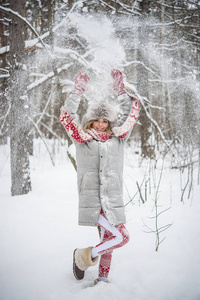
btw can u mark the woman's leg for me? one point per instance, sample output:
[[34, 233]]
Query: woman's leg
[[118, 237], [105, 259], [112, 237]]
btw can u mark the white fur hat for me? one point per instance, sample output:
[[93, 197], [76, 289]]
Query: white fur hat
[[100, 110]]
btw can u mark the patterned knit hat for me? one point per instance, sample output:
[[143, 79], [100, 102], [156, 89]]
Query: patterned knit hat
[[100, 110]]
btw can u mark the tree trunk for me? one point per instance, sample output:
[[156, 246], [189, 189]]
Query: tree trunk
[[143, 81], [19, 125], [3, 87]]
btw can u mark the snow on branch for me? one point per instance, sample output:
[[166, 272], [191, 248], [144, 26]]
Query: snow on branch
[[125, 7], [12, 12], [39, 38], [5, 73], [53, 133], [73, 55], [43, 139], [4, 120], [50, 75], [153, 106], [42, 114], [108, 5], [140, 63]]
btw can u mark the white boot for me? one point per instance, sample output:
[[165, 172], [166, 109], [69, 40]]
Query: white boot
[[82, 261]]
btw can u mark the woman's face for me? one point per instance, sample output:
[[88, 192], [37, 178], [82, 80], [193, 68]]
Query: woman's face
[[100, 125]]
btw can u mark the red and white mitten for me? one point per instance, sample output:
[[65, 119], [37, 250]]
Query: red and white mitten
[[118, 84], [80, 85]]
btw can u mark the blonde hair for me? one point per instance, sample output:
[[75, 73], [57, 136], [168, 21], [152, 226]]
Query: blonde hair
[[89, 125]]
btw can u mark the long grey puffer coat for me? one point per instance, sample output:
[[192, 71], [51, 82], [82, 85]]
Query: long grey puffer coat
[[100, 181], [100, 172]]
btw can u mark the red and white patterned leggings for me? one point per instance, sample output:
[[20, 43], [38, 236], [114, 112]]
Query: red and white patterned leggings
[[112, 237]]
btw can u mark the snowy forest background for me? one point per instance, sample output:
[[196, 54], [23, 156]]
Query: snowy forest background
[[43, 45], [154, 43]]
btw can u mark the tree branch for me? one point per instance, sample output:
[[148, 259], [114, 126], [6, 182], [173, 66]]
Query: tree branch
[[16, 14], [141, 99], [41, 135]]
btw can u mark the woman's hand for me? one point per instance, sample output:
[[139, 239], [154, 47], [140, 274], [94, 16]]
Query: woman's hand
[[118, 84], [80, 85]]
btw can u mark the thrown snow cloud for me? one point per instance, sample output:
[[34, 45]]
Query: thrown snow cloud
[[99, 32], [105, 50]]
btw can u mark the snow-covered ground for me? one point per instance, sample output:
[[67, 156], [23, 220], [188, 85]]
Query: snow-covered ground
[[39, 231]]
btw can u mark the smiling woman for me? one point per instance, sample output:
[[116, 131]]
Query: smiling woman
[[100, 125], [99, 155]]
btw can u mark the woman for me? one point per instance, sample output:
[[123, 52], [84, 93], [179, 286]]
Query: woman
[[99, 155]]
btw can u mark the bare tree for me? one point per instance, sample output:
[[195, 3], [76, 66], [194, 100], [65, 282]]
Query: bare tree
[[19, 124], [143, 78], [4, 74]]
